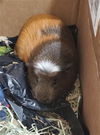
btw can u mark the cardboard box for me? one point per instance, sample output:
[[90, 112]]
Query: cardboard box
[[13, 14], [89, 50]]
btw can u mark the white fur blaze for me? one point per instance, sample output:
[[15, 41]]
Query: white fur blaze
[[47, 66]]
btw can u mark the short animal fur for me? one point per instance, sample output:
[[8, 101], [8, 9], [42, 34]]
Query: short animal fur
[[48, 50]]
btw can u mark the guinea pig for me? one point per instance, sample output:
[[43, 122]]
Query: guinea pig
[[47, 47]]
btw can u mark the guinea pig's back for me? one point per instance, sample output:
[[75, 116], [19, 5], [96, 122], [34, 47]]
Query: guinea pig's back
[[38, 29]]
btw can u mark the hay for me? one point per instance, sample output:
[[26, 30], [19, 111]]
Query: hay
[[14, 127], [74, 97]]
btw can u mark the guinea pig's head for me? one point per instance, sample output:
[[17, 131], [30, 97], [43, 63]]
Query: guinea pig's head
[[47, 81]]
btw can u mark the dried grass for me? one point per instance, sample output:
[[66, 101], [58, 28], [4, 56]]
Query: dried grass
[[14, 127]]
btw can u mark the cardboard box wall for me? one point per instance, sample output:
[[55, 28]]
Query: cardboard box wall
[[89, 49], [13, 13]]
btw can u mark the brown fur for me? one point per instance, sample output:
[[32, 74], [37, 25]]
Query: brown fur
[[31, 36], [45, 37]]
